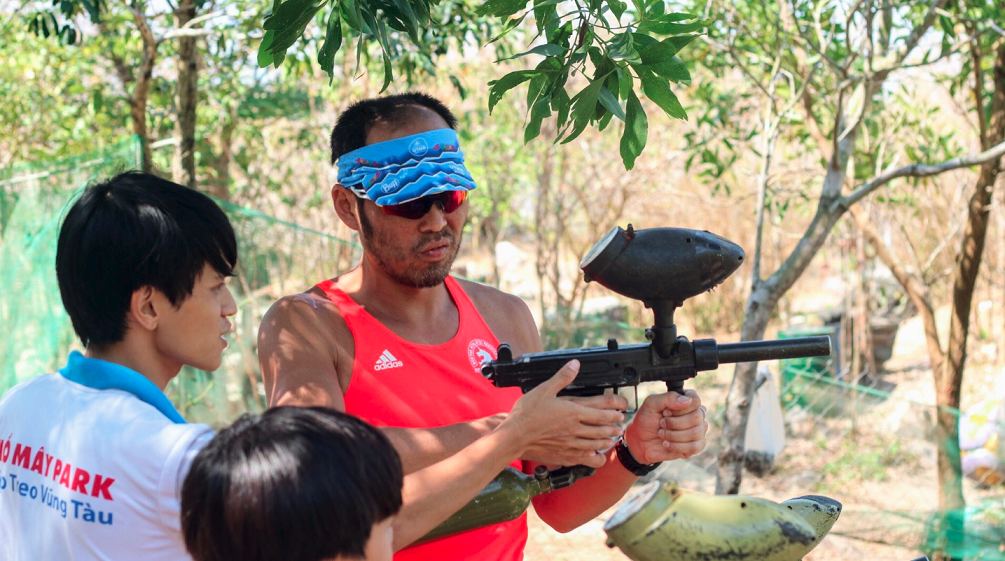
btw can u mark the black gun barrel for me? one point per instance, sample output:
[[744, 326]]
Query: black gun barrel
[[753, 351]]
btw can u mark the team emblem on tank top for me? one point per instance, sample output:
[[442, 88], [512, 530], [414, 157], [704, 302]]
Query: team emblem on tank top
[[479, 351]]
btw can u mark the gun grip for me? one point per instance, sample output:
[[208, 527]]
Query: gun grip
[[675, 386]]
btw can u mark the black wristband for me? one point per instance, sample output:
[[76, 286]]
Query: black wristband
[[627, 460]]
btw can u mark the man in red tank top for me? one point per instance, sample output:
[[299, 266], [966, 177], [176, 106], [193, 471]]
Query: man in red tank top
[[398, 341]]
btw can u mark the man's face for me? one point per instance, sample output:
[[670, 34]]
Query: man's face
[[415, 253], [193, 333]]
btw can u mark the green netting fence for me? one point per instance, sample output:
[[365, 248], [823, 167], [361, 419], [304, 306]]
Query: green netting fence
[[852, 440], [276, 258]]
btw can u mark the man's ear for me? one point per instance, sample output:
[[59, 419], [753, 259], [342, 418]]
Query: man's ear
[[143, 308], [345, 206]]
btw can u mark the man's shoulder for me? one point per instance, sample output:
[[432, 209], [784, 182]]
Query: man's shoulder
[[489, 296], [310, 305], [507, 315]]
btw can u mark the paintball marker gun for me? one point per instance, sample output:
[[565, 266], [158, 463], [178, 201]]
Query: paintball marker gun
[[662, 267]]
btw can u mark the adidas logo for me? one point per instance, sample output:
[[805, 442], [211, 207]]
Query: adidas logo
[[387, 361]]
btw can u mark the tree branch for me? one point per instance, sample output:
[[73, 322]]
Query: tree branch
[[921, 170], [916, 289], [122, 71], [918, 32]]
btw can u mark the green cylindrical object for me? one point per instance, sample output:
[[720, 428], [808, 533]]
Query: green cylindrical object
[[502, 500], [663, 522], [636, 515]]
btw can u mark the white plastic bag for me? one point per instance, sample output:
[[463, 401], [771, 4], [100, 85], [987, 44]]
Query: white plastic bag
[[765, 425]]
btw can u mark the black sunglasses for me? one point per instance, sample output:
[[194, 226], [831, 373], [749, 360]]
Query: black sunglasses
[[449, 201]]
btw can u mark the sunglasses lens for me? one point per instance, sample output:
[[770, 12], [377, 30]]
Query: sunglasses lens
[[452, 200], [413, 210]]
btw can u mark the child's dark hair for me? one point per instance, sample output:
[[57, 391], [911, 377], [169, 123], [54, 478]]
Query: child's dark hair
[[131, 231], [356, 121], [297, 484]]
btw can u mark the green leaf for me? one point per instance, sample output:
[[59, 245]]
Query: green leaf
[[458, 86], [546, 15], [947, 26], [681, 41], [405, 13], [289, 13], [604, 118], [510, 26], [636, 134], [540, 111], [658, 90], [501, 8], [584, 107], [93, 9], [657, 53], [351, 14], [561, 35], [289, 23], [265, 58], [560, 103], [331, 45], [499, 87], [660, 28], [622, 48], [674, 69], [618, 8], [610, 102], [545, 50], [388, 72], [625, 84]]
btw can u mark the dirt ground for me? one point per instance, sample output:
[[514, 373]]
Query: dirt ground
[[878, 461]]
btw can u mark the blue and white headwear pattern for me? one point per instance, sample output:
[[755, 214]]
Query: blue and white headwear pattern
[[404, 169]]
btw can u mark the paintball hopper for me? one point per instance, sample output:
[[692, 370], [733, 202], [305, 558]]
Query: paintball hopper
[[661, 264]]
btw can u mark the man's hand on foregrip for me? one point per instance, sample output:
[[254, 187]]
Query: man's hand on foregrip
[[668, 426], [567, 431]]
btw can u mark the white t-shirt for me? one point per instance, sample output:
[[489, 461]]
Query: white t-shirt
[[90, 473]]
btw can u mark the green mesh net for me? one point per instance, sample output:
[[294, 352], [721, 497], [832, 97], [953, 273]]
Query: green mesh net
[[857, 431], [276, 258]]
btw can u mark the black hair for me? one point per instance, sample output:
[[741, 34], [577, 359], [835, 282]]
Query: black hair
[[296, 484], [131, 231], [356, 121]]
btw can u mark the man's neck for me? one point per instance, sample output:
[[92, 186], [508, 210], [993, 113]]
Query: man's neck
[[139, 357], [420, 315]]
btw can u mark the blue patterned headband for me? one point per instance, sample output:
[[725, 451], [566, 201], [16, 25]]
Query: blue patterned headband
[[404, 169]]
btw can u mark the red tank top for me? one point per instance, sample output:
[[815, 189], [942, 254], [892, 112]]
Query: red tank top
[[396, 383]]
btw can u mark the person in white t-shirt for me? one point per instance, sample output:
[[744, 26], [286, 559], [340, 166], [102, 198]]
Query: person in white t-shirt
[[93, 457]]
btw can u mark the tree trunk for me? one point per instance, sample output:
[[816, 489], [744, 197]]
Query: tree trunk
[[221, 187], [762, 301], [950, 377], [186, 97], [141, 83]]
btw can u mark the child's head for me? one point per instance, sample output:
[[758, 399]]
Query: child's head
[[293, 484], [135, 252]]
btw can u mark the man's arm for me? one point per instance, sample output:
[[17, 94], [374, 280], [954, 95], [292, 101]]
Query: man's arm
[[305, 351]]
